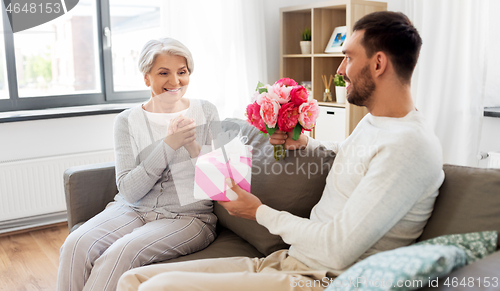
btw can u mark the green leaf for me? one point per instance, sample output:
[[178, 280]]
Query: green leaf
[[260, 84], [260, 88], [270, 130], [297, 131], [339, 81]]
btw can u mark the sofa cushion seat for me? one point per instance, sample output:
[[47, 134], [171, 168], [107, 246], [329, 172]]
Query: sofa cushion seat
[[227, 244]]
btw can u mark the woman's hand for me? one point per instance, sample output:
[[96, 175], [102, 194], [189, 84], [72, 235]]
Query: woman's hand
[[282, 137], [182, 132]]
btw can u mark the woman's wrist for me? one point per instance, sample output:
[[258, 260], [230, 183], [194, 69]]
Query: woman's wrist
[[193, 149], [171, 142]]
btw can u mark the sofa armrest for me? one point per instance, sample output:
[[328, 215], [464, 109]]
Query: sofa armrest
[[485, 270], [88, 190]]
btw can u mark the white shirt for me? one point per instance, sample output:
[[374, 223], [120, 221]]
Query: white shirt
[[378, 196]]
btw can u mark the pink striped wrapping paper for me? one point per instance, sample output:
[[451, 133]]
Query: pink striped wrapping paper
[[211, 172]]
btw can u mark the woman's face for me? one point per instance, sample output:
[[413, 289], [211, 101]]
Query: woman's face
[[168, 78]]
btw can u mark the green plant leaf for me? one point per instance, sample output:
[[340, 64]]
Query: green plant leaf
[[306, 34], [270, 130], [259, 85], [339, 81], [262, 90], [297, 130]]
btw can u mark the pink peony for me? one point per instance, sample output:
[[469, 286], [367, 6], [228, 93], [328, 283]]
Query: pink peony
[[254, 118], [269, 108], [269, 94], [288, 117], [298, 95], [308, 112], [286, 82], [282, 93]]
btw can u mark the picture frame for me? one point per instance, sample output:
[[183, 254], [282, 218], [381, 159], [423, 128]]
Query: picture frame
[[337, 40]]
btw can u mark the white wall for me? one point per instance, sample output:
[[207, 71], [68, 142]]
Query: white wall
[[272, 22], [51, 137]]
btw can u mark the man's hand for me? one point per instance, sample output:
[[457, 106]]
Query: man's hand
[[282, 137], [245, 206]]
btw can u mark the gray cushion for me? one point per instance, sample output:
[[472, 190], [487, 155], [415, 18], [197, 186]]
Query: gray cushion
[[468, 201], [227, 244], [294, 185]]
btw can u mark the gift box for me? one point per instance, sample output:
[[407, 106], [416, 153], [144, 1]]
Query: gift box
[[233, 160]]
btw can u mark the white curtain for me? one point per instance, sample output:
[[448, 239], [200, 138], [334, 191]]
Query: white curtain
[[449, 80], [226, 38]]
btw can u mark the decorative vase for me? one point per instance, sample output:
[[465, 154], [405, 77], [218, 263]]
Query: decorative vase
[[305, 47], [340, 93]]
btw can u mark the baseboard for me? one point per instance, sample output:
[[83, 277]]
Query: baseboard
[[29, 223]]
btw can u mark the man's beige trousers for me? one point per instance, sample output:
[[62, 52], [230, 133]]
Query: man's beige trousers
[[277, 271]]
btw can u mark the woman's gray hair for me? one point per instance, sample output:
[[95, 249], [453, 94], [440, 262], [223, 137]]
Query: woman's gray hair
[[170, 46]]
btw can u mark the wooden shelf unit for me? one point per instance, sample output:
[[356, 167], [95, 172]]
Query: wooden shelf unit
[[321, 18]]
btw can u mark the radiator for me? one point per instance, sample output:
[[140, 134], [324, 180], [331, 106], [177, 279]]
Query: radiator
[[35, 187]]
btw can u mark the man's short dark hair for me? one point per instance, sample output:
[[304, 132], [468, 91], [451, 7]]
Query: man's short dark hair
[[394, 34]]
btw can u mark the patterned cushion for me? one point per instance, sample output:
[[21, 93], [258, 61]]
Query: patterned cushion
[[405, 268], [476, 245], [410, 268]]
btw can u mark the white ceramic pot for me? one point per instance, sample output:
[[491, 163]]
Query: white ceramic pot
[[305, 47], [340, 93]]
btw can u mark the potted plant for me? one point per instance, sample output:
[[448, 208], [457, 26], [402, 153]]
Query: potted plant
[[340, 90], [305, 44]]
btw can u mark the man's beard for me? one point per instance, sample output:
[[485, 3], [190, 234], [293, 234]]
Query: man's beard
[[362, 89]]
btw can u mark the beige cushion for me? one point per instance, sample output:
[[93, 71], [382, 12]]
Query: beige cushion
[[468, 201], [294, 185]]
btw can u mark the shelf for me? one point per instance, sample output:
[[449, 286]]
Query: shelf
[[331, 104], [332, 55], [336, 55], [324, 23], [297, 56], [298, 69], [292, 25], [328, 67]]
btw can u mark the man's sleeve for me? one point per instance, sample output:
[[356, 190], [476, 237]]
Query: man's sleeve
[[393, 183], [330, 145]]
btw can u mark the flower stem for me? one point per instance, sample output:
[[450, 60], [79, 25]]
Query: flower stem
[[279, 152]]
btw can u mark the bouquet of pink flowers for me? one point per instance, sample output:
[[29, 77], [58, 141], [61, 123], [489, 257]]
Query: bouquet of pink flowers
[[285, 106]]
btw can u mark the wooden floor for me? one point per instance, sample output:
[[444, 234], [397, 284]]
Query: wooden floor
[[29, 260]]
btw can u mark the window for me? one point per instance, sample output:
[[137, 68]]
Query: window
[[59, 57], [4, 84], [130, 20], [89, 55], [68, 62]]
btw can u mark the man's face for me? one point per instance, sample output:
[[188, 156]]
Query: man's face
[[356, 71]]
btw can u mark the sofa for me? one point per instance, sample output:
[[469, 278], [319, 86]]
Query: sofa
[[469, 201]]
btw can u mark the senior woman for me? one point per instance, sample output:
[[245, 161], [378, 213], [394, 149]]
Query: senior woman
[[154, 216]]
